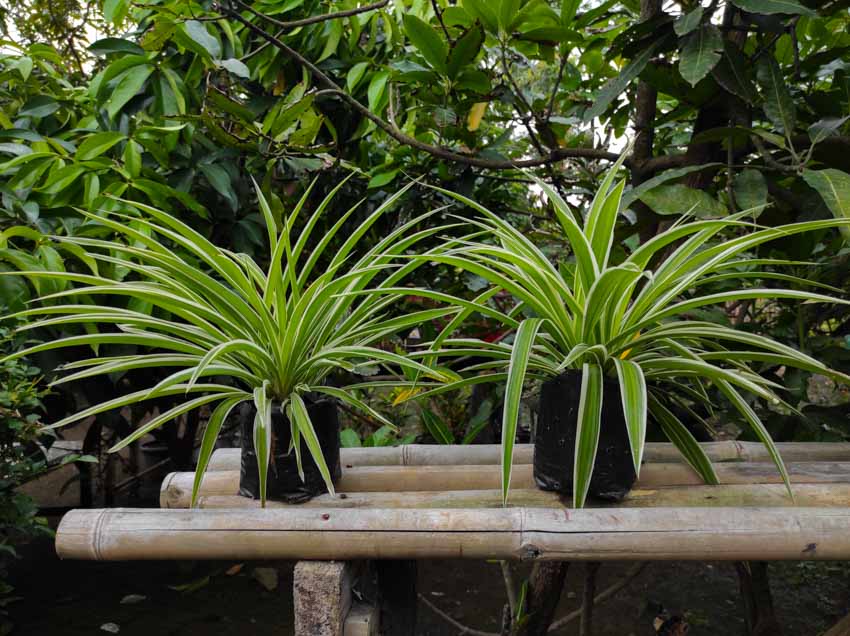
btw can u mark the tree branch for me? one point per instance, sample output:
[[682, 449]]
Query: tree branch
[[551, 105], [556, 155], [464, 629], [439, 15], [603, 596], [588, 598], [292, 24]]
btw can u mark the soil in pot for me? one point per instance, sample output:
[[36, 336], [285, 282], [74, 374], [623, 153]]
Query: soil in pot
[[284, 482], [555, 439]]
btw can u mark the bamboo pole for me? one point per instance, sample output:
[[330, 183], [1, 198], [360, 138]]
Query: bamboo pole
[[739, 495], [483, 454], [176, 488], [616, 534]]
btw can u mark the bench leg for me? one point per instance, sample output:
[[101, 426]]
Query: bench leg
[[322, 597], [324, 600], [326, 603]]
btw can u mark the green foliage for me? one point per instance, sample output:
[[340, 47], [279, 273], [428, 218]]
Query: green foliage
[[747, 104], [22, 458]]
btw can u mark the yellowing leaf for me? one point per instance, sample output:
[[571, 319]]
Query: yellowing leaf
[[405, 394], [476, 114]]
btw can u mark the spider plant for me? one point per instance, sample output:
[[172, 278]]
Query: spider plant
[[628, 320], [231, 331]]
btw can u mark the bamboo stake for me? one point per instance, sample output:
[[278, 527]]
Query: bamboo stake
[[743, 495], [482, 454], [177, 487], [617, 534]]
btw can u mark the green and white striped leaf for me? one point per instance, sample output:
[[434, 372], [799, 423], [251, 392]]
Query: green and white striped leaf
[[587, 433], [301, 418], [218, 417], [523, 343], [682, 439], [633, 396]]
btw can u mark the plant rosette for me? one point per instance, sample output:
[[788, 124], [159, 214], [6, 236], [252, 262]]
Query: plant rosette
[[620, 335], [235, 333]]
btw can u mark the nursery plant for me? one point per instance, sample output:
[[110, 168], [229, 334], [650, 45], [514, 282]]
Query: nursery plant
[[236, 333], [617, 342]]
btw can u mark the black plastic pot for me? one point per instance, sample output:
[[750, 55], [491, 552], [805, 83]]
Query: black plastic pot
[[284, 483], [555, 440]]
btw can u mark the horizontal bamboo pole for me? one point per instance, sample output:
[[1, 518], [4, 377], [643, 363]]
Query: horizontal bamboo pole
[[742, 495], [482, 454], [176, 488], [616, 534]]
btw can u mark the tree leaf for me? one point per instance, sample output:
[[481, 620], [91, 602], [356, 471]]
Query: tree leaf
[[95, 145], [236, 67], [508, 10], [824, 128], [132, 157], [131, 82], [482, 11], [39, 106], [198, 32], [750, 190], [427, 41], [615, 87], [382, 178], [732, 74], [115, 11], [334, 35], [476, 114], [61, 179], [348, 438], [104, 46], [769, 7], [355, 74], [834, 188], [220, 180], [668, 175], [778, 105], [24, 67], [700, 53], [688, 22], [377, 90], [464, 50], [680, 199]]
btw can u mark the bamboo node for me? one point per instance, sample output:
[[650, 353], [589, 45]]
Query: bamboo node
[[529, 552], [97, 535]]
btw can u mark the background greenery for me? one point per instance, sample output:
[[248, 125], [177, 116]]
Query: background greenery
[[731, 105]]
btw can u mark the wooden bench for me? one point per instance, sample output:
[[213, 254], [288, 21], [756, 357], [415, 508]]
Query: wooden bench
[[396, 505]]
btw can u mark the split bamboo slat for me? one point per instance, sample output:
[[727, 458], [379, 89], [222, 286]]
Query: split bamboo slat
[[176, 488], [603, 534], [483, 454]]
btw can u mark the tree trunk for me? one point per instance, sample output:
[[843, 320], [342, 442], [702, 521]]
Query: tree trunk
[[542, 597], [758, 602]]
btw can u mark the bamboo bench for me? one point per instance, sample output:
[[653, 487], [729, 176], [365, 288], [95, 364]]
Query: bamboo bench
[[423, 502]]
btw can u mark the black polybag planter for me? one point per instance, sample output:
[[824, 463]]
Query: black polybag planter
[[284, 482], [555, 440]]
